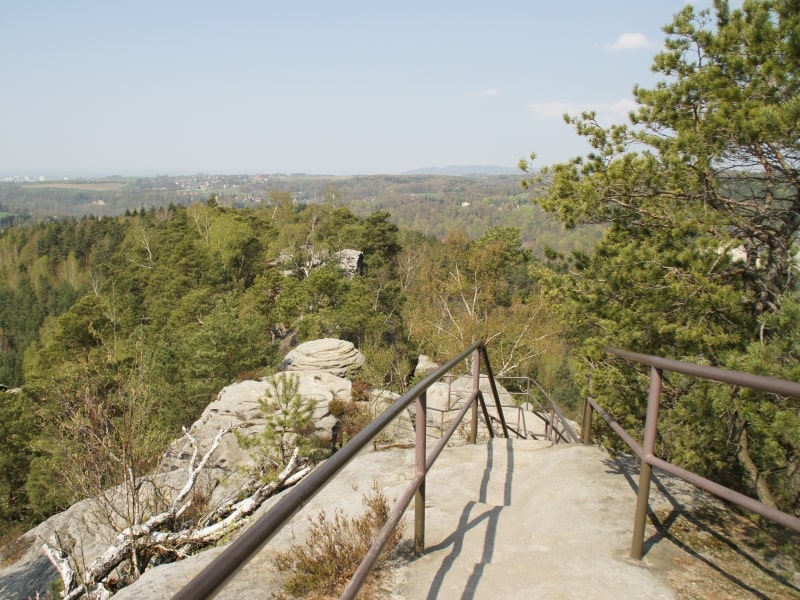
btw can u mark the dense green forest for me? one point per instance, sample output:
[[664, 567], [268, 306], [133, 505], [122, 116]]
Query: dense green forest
[[677, 236], [160, 309]]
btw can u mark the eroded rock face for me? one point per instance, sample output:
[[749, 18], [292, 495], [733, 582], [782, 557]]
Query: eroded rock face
[[351, 262], [328, 354]]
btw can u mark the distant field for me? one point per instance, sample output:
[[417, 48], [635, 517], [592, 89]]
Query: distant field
[[105, 186]]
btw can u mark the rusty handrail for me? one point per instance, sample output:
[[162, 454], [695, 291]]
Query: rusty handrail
[[646, 451], [758, 382], [374, 552], [570, 432], [209, 581], [626, 437], [561, 418]]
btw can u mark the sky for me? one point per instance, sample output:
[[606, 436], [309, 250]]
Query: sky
[[340, 87]]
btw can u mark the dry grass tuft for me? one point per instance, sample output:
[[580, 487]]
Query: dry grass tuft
[[12, 546], [335, 546]]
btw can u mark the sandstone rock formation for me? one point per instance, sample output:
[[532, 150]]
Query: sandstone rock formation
[[446, 397], [318, 366], [235, 408], [425, 366], [334, 356], [351, 262]]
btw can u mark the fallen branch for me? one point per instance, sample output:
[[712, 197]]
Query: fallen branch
[[60, 559], [120, 547], [246, 507], [156, 536]]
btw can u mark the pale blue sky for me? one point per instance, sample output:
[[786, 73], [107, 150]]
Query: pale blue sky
[[344, 87]]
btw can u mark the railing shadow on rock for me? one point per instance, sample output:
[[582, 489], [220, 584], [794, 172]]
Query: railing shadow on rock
[[646, 450], [209, 581]]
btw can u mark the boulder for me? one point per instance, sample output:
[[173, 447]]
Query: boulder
[[351, 262], [330, 355], [425, 366]]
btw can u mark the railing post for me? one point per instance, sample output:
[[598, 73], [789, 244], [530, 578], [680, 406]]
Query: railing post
[[648, 448], [586, 427], [588, 412], [476, 385], [421, 456]]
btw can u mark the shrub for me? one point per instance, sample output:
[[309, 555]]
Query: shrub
[[249, 375], [322, 565], [289, 422], [352, 417], [338, 407], [360, 391]]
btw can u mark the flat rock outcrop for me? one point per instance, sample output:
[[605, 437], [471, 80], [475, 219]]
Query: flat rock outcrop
[[493, 530], [318, 366]]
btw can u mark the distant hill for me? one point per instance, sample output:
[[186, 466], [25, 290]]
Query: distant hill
[[433, 204], [465, 170]]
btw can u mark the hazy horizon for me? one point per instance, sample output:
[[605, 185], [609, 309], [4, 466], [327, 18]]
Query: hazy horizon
[[324, 88], [58, 173]]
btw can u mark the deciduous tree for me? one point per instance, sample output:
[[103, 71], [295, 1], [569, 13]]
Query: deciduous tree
[[480, 290]]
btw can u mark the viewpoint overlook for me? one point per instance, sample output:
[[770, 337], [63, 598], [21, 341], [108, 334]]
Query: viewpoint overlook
[[537, 514], [639, 300]]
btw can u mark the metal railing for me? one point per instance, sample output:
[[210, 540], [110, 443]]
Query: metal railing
[[646, 450], [528, 397], [557, 427], [209, 581]]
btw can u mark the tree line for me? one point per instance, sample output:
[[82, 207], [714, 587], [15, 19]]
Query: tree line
[[431, 204]]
